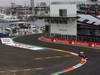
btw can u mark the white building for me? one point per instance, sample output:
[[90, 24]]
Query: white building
[[62, 20], [68, 10], [63, 16]]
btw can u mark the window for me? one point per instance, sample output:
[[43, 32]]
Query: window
[[62, 12]]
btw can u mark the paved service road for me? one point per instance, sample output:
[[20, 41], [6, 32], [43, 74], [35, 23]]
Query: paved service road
[[17, 61], [92, 67]]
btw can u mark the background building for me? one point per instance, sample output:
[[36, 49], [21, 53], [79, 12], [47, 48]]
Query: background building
[[91, 7], [19, 10], [62, 19]]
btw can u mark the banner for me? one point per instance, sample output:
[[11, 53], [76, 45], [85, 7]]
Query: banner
[[7, 41]]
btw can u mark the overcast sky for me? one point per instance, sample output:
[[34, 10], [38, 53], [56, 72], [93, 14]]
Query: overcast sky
[[20, 2]]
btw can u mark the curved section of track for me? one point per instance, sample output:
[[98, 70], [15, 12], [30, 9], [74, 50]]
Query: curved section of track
[[92, 67], [21, 61]]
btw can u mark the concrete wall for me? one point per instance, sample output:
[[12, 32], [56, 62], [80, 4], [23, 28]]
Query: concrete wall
[[71, 10], [65, 29]]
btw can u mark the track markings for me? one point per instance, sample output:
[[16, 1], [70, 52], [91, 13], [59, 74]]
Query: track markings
[[55, 57], [39, 68], [19, 70]]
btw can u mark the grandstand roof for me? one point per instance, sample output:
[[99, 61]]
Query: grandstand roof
[[89, 19]]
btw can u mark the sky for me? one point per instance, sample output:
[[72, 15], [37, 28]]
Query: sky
[[20, 2]]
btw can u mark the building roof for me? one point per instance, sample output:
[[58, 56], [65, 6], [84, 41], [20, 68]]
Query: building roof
[[89, 19]]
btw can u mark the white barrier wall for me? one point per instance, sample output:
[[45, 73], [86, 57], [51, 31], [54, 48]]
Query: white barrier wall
[[64, 29]]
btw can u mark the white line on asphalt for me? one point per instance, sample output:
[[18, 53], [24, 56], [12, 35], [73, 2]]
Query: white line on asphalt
[[14, 71], [45, 58]]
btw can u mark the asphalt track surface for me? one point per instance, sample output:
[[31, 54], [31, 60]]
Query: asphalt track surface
[[92, 67], [18, 61]]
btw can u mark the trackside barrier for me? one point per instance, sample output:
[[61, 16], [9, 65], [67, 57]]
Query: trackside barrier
[[81, 43], [97, 44]]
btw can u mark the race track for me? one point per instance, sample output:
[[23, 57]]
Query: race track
[[92, 67], [19, 61]]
